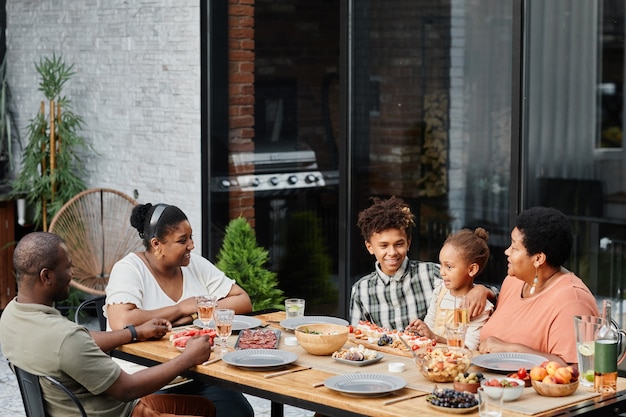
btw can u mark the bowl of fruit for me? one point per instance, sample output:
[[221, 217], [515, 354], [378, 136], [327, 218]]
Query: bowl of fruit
[[468, 382], [513, 387], [522, 373], [551, 379], [442, 364]]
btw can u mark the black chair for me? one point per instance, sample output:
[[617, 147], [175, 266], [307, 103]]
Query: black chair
[[97, 303], [32, 396]]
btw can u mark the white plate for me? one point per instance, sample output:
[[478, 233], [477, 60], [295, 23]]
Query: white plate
[[239, 323], [294, 322], [259, 359], [378, 357], [368, 385], [453, 410], [507, 361]]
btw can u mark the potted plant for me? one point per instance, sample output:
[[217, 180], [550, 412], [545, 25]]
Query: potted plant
[[51, 165], [241, 259]]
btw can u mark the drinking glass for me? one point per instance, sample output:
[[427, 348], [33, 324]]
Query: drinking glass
[[461, 311], [490, 405], [206, 305], [455, 334], [586, 328], [294, 307], [223, 318]]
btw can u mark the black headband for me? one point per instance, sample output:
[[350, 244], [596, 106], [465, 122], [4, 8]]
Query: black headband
[[154, 219]]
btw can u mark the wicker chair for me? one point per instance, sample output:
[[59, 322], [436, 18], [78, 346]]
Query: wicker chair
[[95, 226]]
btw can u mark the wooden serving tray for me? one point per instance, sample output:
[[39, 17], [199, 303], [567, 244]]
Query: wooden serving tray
[[385, 349]]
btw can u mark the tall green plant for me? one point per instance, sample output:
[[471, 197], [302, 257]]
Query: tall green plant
[[242, 259], [51, 164]]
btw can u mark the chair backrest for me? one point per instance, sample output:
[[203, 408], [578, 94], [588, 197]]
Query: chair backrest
[[32, 397], [97, 302], [95, 225]]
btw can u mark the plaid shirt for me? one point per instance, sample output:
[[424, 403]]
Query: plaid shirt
[[392, 301]]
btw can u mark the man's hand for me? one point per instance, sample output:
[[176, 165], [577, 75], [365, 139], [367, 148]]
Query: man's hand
[[198, 348], [153, 329]]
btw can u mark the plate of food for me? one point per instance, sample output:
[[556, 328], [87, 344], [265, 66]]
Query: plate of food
[[293, 322], [259, 359], [365, 385], [179, 338], [357, 356], [239, 323], [507, 361], [451, 401], [258, 339], [363, 362]]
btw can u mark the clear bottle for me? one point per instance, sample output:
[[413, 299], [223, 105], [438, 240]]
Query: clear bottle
[[605, 359]]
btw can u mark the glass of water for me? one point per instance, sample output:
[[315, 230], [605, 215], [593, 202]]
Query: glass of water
[[294, 307]]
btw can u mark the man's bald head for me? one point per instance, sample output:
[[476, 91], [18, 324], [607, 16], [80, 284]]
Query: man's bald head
[[34, 252]]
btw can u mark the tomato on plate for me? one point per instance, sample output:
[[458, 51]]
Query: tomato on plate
[[522, 373]]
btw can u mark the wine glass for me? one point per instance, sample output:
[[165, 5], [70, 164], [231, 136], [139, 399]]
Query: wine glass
[[205, 306], [223, 318]]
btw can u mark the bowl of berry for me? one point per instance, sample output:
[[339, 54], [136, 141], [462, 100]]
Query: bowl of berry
[[449, 400], [513, 387]]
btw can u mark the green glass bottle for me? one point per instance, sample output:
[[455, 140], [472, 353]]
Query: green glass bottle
[[605, 359]]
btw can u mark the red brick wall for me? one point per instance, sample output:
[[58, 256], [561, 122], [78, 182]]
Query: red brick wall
[[241, 98]]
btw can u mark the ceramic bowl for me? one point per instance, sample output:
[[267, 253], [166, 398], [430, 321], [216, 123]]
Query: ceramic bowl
[[467, 387], [510, 393], [442, 364], [555, 390], [321, 338]]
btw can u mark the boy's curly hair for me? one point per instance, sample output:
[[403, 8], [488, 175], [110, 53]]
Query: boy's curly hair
[[392, 213]]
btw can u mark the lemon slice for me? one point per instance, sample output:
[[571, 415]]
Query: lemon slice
[[294, 309], [589, 375], [586, 349]]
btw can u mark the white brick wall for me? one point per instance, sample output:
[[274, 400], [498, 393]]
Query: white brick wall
[[137, 87]]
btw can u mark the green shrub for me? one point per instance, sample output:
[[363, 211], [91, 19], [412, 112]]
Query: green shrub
[[241, 259]]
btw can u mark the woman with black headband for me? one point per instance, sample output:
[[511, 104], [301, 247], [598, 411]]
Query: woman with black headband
[[164, 280]]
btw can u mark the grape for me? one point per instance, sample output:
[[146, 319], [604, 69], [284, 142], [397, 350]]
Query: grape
[[385, 340], [449, 398]]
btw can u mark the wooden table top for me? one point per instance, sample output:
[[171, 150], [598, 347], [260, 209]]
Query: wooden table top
[[305, 388]]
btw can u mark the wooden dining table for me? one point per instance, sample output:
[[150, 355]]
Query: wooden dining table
[[305, 388]]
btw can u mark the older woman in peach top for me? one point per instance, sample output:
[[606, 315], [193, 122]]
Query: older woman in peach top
[[539, 297]]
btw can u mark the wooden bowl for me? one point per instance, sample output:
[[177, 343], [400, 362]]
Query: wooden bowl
[[321, 338], [555, 390], [468, 387]]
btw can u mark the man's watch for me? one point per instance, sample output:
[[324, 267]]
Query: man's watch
[[133, 331], [194, 316]]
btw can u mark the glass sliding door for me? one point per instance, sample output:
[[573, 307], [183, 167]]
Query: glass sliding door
[[574, 121], [276, 161], [431, 119]]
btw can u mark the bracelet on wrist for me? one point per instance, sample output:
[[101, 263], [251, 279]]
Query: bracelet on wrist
[[133, 332]]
